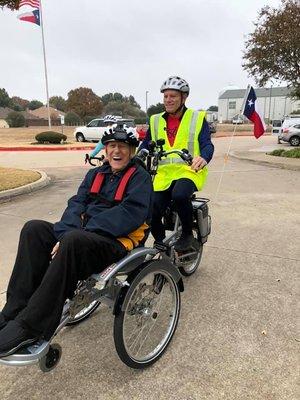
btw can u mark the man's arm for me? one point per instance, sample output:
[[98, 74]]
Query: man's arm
[[205, 144], [130, 214]]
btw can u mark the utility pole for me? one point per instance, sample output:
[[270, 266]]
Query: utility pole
[[147, 100]]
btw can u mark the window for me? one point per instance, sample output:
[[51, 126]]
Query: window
[[93, 123], [101, 124], [232, 105]]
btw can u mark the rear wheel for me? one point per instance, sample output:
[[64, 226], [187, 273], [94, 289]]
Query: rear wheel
[[149, 315], [295, 141], [80, 137], [188, 262], [84, 314]]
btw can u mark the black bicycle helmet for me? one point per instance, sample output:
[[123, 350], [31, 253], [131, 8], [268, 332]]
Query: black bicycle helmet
[[126, 135]]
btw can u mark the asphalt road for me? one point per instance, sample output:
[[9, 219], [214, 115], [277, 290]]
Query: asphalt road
[[237, 336]]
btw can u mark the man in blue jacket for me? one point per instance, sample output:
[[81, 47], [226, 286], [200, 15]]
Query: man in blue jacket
[[102, 222]]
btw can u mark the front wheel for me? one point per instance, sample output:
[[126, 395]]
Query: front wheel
[[148, 317]]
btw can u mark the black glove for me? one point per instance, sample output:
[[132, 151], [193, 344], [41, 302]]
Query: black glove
[[87, 158]]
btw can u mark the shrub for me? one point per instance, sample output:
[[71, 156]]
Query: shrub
[[294, 153], [72, 118], [277, 152], [15, 119], [50, 137]]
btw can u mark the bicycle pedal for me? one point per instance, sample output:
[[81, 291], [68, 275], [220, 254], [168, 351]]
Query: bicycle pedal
[[161, 247]]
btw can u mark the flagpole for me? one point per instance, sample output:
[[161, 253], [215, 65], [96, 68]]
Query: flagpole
[[45, 64], [231, 140]]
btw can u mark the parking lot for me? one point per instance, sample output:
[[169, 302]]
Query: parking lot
[[237, 335]]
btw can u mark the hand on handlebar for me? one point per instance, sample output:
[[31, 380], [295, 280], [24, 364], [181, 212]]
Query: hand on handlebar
[[198, 163]]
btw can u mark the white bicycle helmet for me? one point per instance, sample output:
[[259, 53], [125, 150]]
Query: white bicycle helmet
[[175, 83], [110, 118]]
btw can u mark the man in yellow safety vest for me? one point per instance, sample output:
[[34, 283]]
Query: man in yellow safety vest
[[181, 128]]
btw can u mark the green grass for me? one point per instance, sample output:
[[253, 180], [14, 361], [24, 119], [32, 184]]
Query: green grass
[[293, 153]]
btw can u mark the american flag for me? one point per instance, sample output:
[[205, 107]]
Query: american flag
[[31, 3]]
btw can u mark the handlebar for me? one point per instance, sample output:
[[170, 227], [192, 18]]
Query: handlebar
[[88, 159], [156, 152]]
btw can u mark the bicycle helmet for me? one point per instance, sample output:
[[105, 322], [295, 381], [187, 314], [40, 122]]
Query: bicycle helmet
[[110, 118], [175, 83], [126, 135]]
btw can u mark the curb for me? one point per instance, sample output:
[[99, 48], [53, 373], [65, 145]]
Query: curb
[[44, 180], [25, 148], [264, 161]]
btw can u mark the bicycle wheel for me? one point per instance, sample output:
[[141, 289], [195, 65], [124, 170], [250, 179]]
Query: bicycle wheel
[[84, 313], [149, 315], [189, 261]]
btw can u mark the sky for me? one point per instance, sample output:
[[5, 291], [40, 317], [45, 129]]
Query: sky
[[129, 46]]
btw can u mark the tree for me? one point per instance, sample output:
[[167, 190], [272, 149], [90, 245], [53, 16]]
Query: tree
[[18, 101], [155, 109], [272, 51], [58, 102], [83, 101], [212, 108], [4, 98], [34, 104], [72, 118], [12, 4], [15, 119]]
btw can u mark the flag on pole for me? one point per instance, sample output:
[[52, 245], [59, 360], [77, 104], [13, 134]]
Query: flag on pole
[[252, 113], [31, 3], [33, 17]]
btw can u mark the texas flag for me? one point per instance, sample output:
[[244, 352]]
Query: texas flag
[[252, 113], [33, 16]]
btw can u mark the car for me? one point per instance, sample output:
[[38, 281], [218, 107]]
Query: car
[[291, 135], [237, 119], [212, 127], [95, 129]]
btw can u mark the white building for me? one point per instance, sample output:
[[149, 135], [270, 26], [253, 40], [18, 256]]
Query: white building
[[274, 103]]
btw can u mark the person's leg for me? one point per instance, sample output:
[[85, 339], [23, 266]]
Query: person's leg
[[161, 201], [33, 256], [181, 194], [80, 254]]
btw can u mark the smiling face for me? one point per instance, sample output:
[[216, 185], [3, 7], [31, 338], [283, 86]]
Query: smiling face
[[173, 100], [118, 155]]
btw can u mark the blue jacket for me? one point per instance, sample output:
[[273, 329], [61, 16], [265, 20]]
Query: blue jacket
[[128, 219]]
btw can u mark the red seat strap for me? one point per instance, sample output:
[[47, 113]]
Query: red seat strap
[[123, 183], [97, 184]]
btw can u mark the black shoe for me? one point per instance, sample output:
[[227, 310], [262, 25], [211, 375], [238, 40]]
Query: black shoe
[[3, 321], [184, 243], [13, 336]]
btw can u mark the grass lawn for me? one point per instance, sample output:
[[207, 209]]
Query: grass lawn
[[293, 153], [11, 178]]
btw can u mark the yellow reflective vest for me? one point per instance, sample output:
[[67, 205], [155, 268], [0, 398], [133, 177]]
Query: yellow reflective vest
[[173, 167]]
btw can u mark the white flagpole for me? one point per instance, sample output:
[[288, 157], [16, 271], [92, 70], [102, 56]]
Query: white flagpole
[[229, 147], [45, 64]]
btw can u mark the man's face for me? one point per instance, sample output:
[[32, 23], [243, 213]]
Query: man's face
[[118, 155], [172, 100]]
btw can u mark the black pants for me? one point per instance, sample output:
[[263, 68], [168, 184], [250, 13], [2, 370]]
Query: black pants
[[180, 191], [39, 286]]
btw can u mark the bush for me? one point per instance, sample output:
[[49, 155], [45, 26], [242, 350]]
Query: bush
[[294, 153], [50, 137], [72, 118], [15, 119], [277, 152]]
